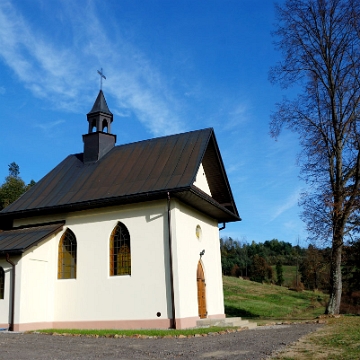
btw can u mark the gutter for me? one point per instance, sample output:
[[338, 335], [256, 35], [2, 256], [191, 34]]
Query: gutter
[[11, 327], [171, 264], [91, 204]]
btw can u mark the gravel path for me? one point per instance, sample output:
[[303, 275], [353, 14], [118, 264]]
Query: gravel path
[[258, 343]]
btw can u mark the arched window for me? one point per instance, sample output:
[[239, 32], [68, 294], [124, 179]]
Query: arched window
[[105, 127], [67, 256], [92, 126], [2, 282], [120, 255]]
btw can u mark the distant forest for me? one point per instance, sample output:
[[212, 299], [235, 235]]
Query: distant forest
[[263, 262]]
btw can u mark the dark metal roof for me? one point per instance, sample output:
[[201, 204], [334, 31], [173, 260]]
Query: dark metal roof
[[16, 241], [136, 172], [100, 105]]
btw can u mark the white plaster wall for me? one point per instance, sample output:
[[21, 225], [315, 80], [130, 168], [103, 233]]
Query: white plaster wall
[[95, 295], [5, 303], [35, 283], [201, 180], [186, 250]]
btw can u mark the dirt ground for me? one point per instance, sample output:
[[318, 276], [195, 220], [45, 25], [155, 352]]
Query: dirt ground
[[258, 343]]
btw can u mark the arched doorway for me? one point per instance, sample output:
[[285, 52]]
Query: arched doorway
[[201, 291]]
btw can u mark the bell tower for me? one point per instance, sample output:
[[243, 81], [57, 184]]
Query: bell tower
[[99, 140]]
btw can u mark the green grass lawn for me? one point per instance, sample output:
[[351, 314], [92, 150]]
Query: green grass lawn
[[136, 332], [343, 336], [249, 299], [339, 339]]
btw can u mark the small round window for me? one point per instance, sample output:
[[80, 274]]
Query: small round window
[[198, 232]]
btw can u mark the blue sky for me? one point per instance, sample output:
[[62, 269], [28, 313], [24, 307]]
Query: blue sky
[[170, 66]]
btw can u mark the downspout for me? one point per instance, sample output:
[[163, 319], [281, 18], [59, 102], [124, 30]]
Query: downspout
[[223, 227], [11, 327], [171, 262]]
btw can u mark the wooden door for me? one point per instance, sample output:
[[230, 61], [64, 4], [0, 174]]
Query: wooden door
[[201, 291]]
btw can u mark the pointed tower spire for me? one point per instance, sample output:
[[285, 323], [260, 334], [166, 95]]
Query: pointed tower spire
[[100, 105], [99, 140], [100, 117]]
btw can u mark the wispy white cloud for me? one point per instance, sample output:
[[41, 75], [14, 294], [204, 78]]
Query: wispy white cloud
[[292, 224], [2, 90], [49, 125], [288, 203], [234, 167], [280, 147], [239, 115], [230, 115], [62, 73], [43, 67]]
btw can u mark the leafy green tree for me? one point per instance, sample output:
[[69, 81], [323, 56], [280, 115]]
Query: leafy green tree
[[279, 274], [14, 170], [351, 268], [13, 187], [278, 251], [350, 301], [315, 268], [30, 184], [260, 270]]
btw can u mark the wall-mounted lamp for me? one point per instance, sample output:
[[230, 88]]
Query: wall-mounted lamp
[[202, 253]]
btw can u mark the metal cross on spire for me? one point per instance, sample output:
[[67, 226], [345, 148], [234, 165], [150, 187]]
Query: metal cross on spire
[[102, 76]]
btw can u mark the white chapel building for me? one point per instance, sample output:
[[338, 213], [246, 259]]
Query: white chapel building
[[118, 237]]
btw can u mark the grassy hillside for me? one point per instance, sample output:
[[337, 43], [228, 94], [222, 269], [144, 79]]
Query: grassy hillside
[[289, 273], [253, 300]]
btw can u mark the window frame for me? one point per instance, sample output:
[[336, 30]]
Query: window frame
[[120, 251], [67, 256]]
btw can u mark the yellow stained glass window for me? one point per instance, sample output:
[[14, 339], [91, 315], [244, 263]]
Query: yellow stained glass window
[[120, 254], [67, 256]]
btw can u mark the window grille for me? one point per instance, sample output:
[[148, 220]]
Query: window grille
[[67, 256], [2, 282], [120, 255]]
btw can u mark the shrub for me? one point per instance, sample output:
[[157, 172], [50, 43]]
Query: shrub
[[297, 285]]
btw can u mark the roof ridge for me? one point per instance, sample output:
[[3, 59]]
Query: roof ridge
[[167, 136], [153, 139]]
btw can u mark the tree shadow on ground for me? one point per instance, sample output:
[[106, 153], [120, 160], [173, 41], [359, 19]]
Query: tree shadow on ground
[[232, 311]]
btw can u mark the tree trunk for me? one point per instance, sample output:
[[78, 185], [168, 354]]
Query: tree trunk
[[333, 306]]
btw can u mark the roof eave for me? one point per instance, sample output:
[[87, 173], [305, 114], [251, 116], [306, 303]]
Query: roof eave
[[88, 205], [233, 214], [201, 201], [225, 214], [21, 250]]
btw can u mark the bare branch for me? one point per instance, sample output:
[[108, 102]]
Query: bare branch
[[320, 44]]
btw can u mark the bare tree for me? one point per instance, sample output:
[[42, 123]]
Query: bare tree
[[320, 44]]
